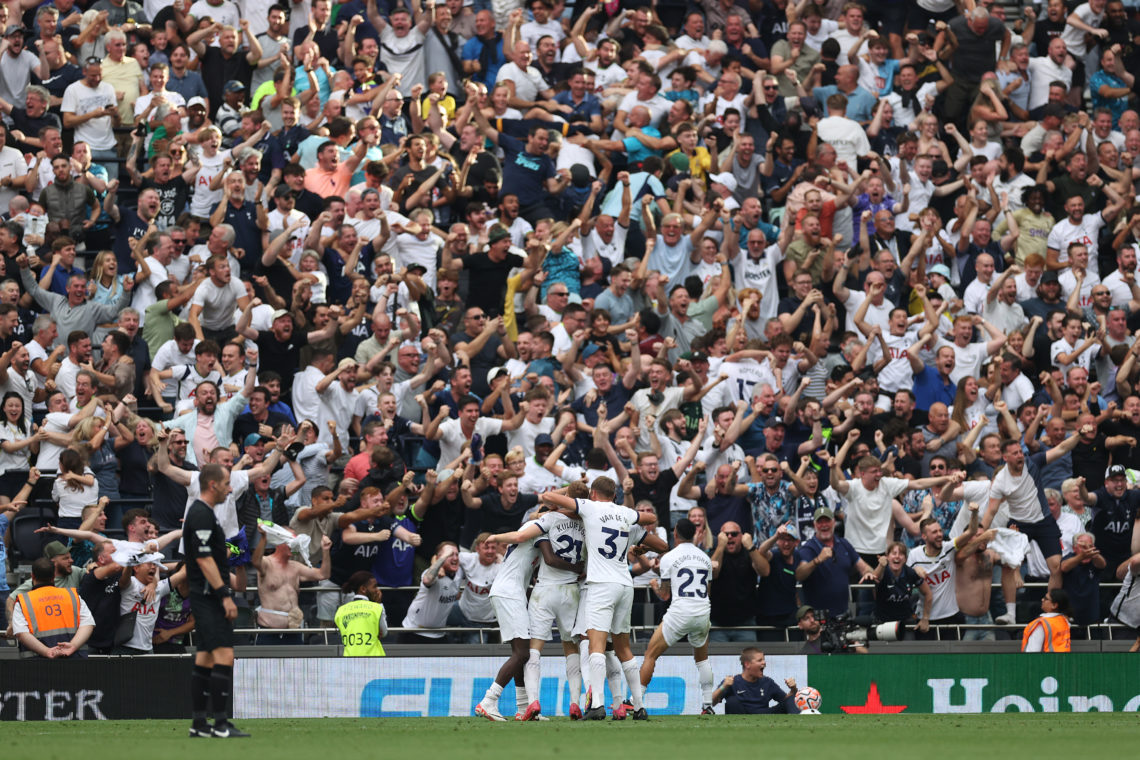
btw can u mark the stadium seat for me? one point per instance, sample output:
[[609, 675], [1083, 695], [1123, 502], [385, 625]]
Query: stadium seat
[[27, 545]]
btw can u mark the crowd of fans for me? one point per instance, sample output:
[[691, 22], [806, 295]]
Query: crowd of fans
[[851, 287]]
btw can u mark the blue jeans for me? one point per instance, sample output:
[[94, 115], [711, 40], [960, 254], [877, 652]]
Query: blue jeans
[[976, 635], [109, 160]]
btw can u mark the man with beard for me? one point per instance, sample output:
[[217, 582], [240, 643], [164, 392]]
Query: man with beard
[[173, 189], [209, 425], [225, 62]]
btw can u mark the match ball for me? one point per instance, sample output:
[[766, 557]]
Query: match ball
[[808, 699]]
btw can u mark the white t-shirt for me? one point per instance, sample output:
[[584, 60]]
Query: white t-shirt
[[527, 83], [1020, 493], [226, 512], [967, 360], [131, 600], [1042, 71], [453, 438], [845, 135], [433, 604], [218, 302], [607, 528], [876, 315], [869, 514], [537, 479], [1075, 38], [12, 165], [519, 564], [743, 377], [80, 100], [144, 289], [166, 357], [688, 570], [1086, 232], [939, 577], [204, 199], [475, 603], [760, 274], [525, 434], [567, 539], [897, 374], [1063, 346], [72, 500]]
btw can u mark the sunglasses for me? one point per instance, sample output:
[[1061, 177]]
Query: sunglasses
[[770, 469], [732, 533]]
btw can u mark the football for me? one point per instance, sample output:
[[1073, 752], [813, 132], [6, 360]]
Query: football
[[807, 699]]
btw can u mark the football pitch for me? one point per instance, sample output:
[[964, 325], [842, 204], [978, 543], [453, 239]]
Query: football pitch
[[851, 737]]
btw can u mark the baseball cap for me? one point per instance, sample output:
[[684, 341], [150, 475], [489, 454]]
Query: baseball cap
[[695, 356], [823, 513], [803, 611], [495, 373], [580, 175], [416, 267], [278, 313], [195, 101], [590, 350], [1116, 471], [1050, 277], [497, 233], [789, 531], [726, 179], [55, 549], [543, 439], [346, 363], [234, 86], [11, 30], [776, 422], [282, 191], [255, 438], [941, 269]]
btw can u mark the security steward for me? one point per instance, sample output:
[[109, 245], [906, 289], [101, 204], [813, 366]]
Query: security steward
[[1050, 632], [51, 622], [212, 604], [361, 620]]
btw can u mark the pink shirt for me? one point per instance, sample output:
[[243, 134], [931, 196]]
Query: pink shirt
[[205, 440]]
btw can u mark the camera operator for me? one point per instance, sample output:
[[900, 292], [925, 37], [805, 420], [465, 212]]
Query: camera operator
[[813, 630]]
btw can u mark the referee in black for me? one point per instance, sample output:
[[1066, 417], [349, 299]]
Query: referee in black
[[211, 602]]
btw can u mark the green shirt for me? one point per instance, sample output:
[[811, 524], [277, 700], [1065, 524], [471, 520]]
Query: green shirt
[[360, 623], [158, 325]]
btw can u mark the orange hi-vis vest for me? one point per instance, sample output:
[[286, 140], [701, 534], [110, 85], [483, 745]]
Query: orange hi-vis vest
[[52, 613], [1056, 633]]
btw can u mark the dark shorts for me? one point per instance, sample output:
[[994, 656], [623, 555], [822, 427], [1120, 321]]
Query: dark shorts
[[211, 629], [1045, 532], [892, 15]]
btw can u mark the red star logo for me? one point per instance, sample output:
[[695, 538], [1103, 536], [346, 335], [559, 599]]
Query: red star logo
[[873, 704]]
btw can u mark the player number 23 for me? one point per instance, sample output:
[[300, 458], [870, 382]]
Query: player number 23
[[609, 549], [688, 577]]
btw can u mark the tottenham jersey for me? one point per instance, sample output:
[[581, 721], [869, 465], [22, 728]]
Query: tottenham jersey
[[566, 539], [518, 565], [688, 571], [607, 528], [433, 603]]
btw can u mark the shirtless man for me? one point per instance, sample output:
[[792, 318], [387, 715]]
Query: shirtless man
[[279, 581], [973, 583]]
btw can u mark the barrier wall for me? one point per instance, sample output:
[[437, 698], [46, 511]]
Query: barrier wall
[[423, 686], [94, 689]]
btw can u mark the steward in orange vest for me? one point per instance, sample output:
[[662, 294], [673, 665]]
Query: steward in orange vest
[[51, 622], [1050, 632]]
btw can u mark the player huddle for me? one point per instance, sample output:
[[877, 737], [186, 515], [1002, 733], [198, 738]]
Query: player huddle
[[578, 530]]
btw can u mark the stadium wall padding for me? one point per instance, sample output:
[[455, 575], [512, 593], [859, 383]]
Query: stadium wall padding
[[95, 689], [391, 687], [1015, 682]]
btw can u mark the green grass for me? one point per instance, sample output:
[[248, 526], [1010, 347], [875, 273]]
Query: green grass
[[1009, 736]]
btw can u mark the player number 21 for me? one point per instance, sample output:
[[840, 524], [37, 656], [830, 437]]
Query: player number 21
[[609, 550]]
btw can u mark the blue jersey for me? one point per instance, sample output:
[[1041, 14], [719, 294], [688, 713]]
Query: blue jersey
[[393, 564], [761, 697]]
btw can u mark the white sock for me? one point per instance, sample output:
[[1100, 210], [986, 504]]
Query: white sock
[[532, 673], [1011, 610], [584, 663], [574, 677], [597, 680], [491, 698], [521, 700], [615, 677], [705, 677], [633, 678]]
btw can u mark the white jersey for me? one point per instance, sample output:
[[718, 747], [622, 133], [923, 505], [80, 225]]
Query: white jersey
[[433, 604], [1126, 605], [689, 571], [475, 603], [743, 377], [519, 563], [607, 528], [566, 538], [939, 577], [1020, 493]]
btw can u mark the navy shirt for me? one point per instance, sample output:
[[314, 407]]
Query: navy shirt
[[1112, 526], [776, 593], [828, 587], [756, 698], [1082, 584], [894, 594], [524, 174]]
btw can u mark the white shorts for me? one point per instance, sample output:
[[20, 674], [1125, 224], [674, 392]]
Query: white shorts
[[609, 607], [579, 628], [513, 619], [676, 626], [550, 605]]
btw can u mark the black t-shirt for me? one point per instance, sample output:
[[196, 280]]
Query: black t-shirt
[[202, 537], [282, 358], [1111, 525], [488, 284], [217, 70], [172, 197], [30, 127], [446, 521], [776, 594], [657, 492], [326, 40], [1091, 460], [498, 519], [169, 499], [894, 595], [102, 598], [349, 558], [732, 594]]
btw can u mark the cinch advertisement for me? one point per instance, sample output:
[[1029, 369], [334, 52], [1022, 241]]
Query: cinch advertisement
[[975, 684], [401, 687]]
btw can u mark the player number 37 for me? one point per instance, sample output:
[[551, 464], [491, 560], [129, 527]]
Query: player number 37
[[609, 549]]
